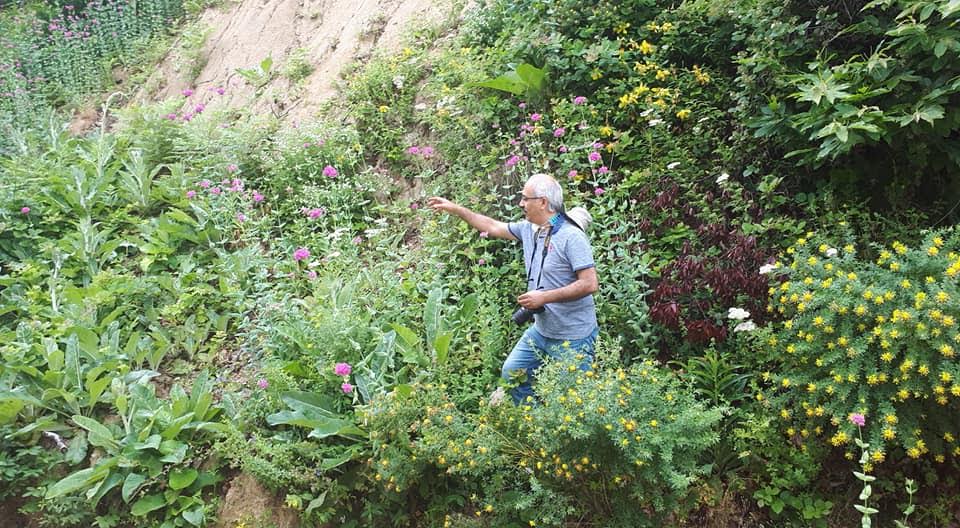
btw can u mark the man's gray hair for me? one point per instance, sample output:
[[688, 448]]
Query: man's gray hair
[[546, 186]]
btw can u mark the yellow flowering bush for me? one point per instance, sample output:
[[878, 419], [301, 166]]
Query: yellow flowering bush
[[878, 338], [594, 440]]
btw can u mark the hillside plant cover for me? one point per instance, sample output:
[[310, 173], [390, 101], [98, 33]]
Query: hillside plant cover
[[194, 297]]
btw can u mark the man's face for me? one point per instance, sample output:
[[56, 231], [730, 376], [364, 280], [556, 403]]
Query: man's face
[[534, 206]]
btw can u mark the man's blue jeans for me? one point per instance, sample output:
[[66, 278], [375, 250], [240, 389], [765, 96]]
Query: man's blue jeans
[[531, 350]]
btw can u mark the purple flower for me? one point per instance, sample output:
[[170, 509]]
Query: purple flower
[[241, 217], [593, 156], [579, 100], [346, 388], [481, 262], [572, 173], [216, 191], [316, 212], [232, 167], [311, 274], [427, 152], [603, 169], [598, 145], [171, 116], [342, 369], [220, 90], [191, 194], [484, 234], [24, 210], [559, 132], [598, 191], [301, 254], [262, 383], [257, 197], [522, 105], [413, 151], [858, 419], [357, 240], [199, 108], [187, 92], [205, 184], [414, 206], [512, 160], [535, 117], [330, 172], [563, 149]]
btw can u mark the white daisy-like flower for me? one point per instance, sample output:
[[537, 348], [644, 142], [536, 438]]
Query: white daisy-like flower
[[831, 252], [723, 177], [745, 326], [767, 268], [737, 314]]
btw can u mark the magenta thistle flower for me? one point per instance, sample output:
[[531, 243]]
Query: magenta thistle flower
[[24, 210], [329, 171], [311, 274], [216, 191], [342, 369], [205, 184], [301, 254], [357, 240], [603, 169], [572, 173], [316, 212], [257, 197], [241, 217], [220, 90], [232, 167], [262, 383], [481, 262], [522, 105], [346, 388], [579, 100], [414, 206], [598, 145], [512, 160], [598, 191], [563, 149], [171, 116], [593, 156], [413, 151], [559, 132], [426, 152], [535, 117], [191, 194], [199, 108], [858, 419], [187, 92]]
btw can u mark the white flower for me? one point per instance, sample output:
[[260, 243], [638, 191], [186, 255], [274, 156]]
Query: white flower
[[767, 268], [654, 122], [722, 178], [831, 252], [745, 326], [674, 165], [398, 82], [737, 313]]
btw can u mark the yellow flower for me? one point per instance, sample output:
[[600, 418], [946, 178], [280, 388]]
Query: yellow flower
[[646, 48], [662, 75], [683, 114], [383, 109], [606, 131], [621, 28]]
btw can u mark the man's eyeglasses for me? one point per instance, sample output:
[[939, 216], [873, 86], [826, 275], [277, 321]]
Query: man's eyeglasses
[[525, 198]]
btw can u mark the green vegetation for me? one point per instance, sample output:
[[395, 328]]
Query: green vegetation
[[187, 296]]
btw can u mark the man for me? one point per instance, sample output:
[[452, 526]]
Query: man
[[561, 278]]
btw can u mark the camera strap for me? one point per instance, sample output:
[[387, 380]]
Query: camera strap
[[543, 258]]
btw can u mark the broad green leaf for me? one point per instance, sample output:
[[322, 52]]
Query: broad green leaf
[[130, 485], [194, 515], [98, 434], [431, 313], [337, 428], [105, 486], [403, 390], [441, 347], [72, 482], [148, 504], [181, 478], [950, 8]]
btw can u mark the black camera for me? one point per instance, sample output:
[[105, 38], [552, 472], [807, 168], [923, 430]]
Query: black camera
[[523, 315]]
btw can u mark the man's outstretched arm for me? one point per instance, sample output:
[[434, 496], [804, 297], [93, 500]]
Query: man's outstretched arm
[[494, 228]]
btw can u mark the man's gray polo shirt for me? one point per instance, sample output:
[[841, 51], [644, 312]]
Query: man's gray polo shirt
[[568, 253]]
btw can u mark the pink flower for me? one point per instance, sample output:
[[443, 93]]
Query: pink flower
[[232, 167], [346, 388], [579, 100], [330, 172], [598, 191], [598, 145], [858, 419], [559, 132], [216, 191], [603, 169], [205, 184], [241, 217], [316, 212], [481, 262], [357, 240], [24, 210], [311, 274], [257, 197], [563, 149], [484, 234], [414, 206], [478, 146], [593, 156], [220, 90], [572, 173], [342, 369], [301, 254], [199, 108], [535, 117], [191, 194], [413, 151], [512, 160], [187, 92], [171, 116], [262, 383], [522, 105], [427, 152]]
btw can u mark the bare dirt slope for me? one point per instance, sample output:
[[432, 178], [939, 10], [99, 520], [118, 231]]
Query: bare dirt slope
[[329, 35]]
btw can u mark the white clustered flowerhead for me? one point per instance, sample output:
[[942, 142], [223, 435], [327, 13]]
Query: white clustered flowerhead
[[722, 178], [674, 165], [767, 268], [831, 252], [654, 122], [745, 326], [737, 314]]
